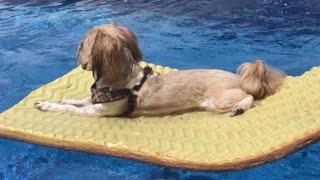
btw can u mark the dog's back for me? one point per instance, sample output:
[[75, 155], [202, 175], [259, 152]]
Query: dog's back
[[215, 90], [183, 89]]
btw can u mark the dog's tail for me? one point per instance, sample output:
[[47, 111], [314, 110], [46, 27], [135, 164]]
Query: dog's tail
[[259, 79]]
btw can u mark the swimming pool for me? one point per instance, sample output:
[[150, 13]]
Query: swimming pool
[[39, 39]]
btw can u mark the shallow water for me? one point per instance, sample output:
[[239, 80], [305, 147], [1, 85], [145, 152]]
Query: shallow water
[[39, 39]]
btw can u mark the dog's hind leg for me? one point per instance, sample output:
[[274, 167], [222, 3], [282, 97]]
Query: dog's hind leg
[[235, 101], [244, 105]]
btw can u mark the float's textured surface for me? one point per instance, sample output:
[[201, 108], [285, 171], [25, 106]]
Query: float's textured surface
[[282, 124]]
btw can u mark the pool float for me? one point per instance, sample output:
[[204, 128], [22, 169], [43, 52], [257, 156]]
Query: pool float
[[281, 125]]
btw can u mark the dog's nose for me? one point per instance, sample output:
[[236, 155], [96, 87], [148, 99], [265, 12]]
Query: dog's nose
[[84, 66]]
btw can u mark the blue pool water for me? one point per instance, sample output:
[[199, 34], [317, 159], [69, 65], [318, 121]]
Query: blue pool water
[[39, 39]]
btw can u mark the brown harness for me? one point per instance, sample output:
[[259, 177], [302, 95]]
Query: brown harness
[[108, 94]]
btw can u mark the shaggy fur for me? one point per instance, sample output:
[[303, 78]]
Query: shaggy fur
[[112, 53]]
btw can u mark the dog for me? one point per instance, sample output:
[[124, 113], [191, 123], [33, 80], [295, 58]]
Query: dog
[[112, 54]]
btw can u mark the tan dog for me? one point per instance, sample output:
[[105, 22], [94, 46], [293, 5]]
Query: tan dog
[[112, 53]]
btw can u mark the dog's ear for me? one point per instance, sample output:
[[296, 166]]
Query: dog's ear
[[134, 47], [97, 53], [109, 57]]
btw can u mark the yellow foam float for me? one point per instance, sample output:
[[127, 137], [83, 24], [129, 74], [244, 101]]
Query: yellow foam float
[[283, 124]]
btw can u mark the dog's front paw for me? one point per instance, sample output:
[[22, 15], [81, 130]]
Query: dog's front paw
[[45, 106]]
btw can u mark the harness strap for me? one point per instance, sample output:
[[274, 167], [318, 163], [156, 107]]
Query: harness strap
[[132, 98], [107, 94]]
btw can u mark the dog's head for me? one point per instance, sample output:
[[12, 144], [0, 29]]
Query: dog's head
[[109, 51]]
